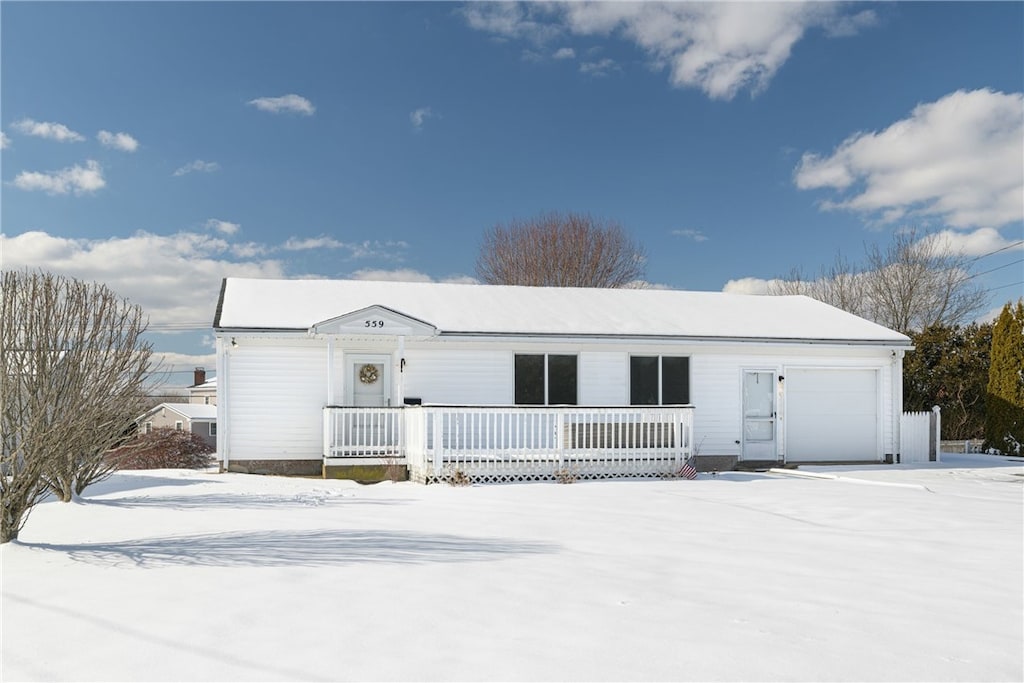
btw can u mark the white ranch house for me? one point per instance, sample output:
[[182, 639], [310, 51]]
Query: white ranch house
[[501, 383]]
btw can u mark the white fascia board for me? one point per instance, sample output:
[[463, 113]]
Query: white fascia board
[[641, 339]]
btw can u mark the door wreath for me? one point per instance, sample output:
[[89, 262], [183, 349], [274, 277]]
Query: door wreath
[[368, 374]]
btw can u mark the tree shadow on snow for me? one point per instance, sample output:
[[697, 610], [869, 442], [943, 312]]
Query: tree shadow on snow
[[118, 482], [249, 501], [313, 548]]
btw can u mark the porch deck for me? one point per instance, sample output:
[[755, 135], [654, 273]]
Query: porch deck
[[501, 444]]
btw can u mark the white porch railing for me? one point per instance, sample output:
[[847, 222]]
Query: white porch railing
[[919, 436], [362, 432], [515, 443]]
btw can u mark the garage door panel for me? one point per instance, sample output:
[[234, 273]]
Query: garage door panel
[[831, 415]]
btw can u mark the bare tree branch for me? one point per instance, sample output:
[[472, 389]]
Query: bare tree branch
[[73, 363], [560, 250], [909, 285]]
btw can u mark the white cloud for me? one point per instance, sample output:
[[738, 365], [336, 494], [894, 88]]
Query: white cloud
[[121, 141], [48, 130], [720, 48], [223, 227], [175, 278], [695, 235], [399, 275], [747, 285], [957, 159], [198, 166], [285, 103], [172, 361], [977, 243], [308, 243], [842, 26], [77, 179], [358, 250], [407, 275], [5, 141], [564, 53], [515, 20], [991, 315], [419, 116], [250, 249], [599, 68]]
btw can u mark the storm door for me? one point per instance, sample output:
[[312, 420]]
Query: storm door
[[759, 413]]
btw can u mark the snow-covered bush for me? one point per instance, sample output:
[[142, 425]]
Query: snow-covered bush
[[164, 448]]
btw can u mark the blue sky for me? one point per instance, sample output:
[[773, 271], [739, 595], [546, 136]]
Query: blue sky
[[159, 147]]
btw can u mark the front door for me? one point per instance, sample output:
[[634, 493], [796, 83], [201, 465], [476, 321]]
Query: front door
[[366, 431], [759, 415], [369, 383]]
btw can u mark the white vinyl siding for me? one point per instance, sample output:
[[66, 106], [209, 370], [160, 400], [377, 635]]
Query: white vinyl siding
[[603, 378], [277, 388], [277, 394], [463, 377], [715, 391]]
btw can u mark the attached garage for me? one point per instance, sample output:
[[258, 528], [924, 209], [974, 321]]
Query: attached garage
[[832, 414]]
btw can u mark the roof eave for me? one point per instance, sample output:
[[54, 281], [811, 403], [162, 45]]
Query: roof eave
[[896, 343]]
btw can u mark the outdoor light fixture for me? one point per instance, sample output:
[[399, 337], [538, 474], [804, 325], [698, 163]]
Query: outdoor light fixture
[[234, 344]]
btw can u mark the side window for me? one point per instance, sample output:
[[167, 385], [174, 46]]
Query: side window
[[529, 380], [178, 425], [643, 380], [562, 380], [545, 379], [675, 380], [213, 429], [659, 380]]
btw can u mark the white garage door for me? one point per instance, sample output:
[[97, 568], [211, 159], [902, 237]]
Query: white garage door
[[831, 415]]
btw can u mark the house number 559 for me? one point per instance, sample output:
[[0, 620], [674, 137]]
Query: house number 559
[[373, 323]]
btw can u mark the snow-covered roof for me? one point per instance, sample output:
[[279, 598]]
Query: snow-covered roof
[[467, 309], [190, 411], [208, 384]]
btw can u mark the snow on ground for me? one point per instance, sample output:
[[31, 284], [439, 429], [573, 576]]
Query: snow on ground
[[860, 573]]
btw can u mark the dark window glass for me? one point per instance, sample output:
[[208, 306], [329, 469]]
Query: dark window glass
[[562, 380], [529, 379], [643, 380], [675, 380]]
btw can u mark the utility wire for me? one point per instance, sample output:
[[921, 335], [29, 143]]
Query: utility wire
[[1008, 246], [1012, 284], [992, 270]]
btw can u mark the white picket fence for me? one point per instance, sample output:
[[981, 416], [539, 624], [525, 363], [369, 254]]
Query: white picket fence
[[920, 436], [498, 444]]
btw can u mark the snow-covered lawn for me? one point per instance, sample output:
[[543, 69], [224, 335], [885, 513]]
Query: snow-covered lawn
[[871, 573]]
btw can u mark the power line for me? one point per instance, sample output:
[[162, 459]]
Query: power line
[[179, 326], [1012, 284], [1008, 246], [992, 270]]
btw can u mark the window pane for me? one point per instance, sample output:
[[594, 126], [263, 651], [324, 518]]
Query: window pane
[[643, 380], [562, 380], [529, 380], [675, 380]]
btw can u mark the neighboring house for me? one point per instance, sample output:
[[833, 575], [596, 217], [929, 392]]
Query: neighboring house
[[203, 390], [190, 417], [522, 382]]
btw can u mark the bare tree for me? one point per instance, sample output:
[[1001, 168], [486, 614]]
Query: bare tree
[[72, 364], [841, 285], [911, 284], [560, 250], [916, 283]]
